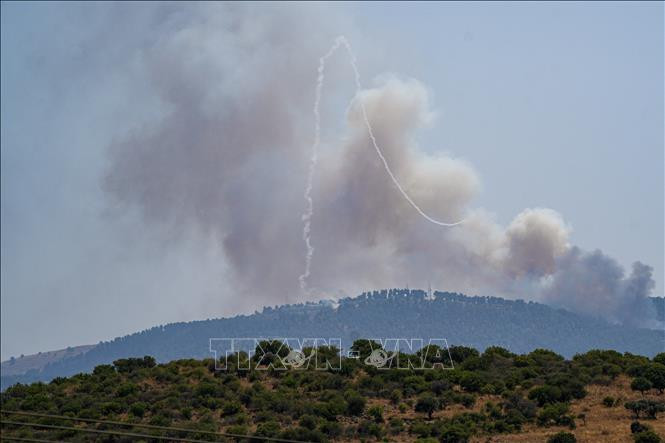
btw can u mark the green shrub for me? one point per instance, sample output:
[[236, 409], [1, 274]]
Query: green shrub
[[355, 403], [112, 407], [160, 420], [231, 407], [367, 428], [609, 401], [331, 428], [647, 437], [420, 429], [650, 408], [137, 409], [471, 382], [186, 413], [268, 429], [461, 353], [438, 387], [308, 421], [523, 407], [636, 427], [660, 358], [132, 364], [641, 384], [545, 395], [467, 400], [555, 414], [376, 412], [395, 396], [562, 437], [396, 425], [655, 373], [237, 430], [454, 433]]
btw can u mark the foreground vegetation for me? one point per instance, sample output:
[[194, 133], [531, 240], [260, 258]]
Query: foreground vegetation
[[493, 396]]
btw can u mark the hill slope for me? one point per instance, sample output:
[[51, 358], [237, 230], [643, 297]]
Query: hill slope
[[25, 363], [495, 396], [473, 321]]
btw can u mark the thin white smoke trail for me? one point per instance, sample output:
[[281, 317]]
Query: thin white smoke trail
[[307, 216], [309, 210]]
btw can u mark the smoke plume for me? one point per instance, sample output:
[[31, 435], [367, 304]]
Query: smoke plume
[[229, 157]]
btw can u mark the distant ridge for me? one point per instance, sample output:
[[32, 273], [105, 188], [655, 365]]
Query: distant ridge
[[25, 363], [473, 321]]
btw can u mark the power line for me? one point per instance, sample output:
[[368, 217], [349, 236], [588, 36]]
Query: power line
[[36, 440], [101, 431], [147, 426]]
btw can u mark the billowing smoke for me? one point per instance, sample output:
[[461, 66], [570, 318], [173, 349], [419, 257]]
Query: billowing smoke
[[229, 157], [593, 283], [536, 239]]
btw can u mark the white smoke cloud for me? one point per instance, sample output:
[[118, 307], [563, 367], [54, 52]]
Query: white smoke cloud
[[536, 239], [230, 156]]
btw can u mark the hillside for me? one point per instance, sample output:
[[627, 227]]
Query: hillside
[[495, 396], [472, 321], [25, 363]]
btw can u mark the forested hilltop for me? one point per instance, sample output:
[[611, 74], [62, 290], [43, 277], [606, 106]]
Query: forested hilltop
[[478, 322], [495, 395]]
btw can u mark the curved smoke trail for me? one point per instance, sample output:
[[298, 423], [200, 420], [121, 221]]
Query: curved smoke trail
[[309, 211]]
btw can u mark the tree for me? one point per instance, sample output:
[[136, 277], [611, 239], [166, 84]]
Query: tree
[[461, 353], [655, 373], [660, 358], [650, 407], [582, 417], [545, 394], [455, 433], [138, 409], [609, 401], [636, 427], [364, 347], [640, 384], [267, 352], [498, 350], [427, 404], [647, 437], [636, 407], [131, 364], [471, 382], [331, 428], [556, 414], [438, 387], [525, 408], [562, 437]]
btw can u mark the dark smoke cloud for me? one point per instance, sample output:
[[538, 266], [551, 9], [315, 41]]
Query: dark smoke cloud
[[228, 156], [593, 283]]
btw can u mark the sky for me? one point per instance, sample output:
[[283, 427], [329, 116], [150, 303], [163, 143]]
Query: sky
[[555, 105]]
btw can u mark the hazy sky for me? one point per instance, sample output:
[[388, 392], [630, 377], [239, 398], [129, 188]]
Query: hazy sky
[[555, 105]]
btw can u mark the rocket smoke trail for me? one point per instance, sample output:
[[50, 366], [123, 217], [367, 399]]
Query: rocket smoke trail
[[309, 211], [307, 216]]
